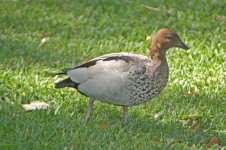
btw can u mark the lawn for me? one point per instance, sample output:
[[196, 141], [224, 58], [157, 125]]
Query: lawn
[[39, 38]]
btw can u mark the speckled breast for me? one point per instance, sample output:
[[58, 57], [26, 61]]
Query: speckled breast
[[144, 85]]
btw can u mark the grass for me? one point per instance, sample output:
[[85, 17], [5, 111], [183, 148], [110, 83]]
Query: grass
[[80, 30]]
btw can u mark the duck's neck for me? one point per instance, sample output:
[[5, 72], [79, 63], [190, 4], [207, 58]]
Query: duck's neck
[[158, 55], [159, 62]]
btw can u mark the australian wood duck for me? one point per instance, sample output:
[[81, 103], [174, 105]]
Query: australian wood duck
[[124, 79]]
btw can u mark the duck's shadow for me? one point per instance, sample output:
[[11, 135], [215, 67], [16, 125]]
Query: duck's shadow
[[165, 134], [168, 132]]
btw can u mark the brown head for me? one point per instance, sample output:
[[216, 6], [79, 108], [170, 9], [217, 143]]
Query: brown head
[[163, 40]]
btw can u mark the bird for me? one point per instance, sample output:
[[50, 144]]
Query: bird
[[124, 79]]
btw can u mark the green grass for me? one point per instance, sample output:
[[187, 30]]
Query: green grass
[[81, 30]]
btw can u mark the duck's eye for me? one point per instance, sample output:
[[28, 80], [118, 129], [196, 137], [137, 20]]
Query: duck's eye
[[170, 37]]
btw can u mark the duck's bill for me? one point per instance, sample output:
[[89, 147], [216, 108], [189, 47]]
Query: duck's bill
[[182, 45]]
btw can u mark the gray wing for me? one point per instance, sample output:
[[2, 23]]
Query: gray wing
[[127, 57]]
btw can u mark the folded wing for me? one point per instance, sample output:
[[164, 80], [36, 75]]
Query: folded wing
[[104, 78]]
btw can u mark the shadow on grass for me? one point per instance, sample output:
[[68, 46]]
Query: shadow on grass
[[169, 132]]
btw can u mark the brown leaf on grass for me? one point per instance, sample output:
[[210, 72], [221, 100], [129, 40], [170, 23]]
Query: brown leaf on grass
[[156, 9], [214, 140], [103, 126], [170, 141], [34, 105], [221, 17], [184, 122], [151, 8], [72, 147], [196, 125], [129, 1]]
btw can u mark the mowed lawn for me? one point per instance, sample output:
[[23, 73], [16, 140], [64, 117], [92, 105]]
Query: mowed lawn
[[39, 38]]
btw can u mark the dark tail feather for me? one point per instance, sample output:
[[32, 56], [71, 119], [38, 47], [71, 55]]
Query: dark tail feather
[[65, 83], [60, 73], [68, 83]]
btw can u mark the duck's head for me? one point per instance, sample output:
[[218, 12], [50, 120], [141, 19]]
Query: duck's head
[[165, 39]]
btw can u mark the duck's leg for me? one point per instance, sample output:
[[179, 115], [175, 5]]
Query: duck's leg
[[89, 109], [125, 115]]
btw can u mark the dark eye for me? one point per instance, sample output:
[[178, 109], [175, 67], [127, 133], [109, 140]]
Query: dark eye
[[170, 37]]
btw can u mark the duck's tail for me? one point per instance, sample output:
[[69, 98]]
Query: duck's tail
[[65, 83]]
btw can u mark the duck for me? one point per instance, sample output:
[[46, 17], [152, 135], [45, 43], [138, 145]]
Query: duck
[[124, 79]]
